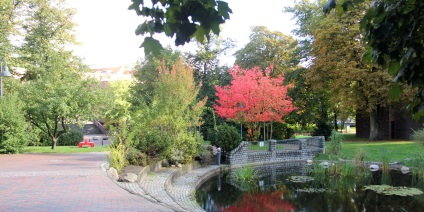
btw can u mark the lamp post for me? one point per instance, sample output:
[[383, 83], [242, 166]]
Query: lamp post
[[4, 72]]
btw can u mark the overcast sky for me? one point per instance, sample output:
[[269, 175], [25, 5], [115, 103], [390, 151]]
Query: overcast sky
[[106, 28]]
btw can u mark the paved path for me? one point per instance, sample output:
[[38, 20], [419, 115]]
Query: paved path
[[71, 182]]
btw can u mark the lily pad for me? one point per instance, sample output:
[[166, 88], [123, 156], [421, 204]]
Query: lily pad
[[390, 190], [312, 190], [300, 179]]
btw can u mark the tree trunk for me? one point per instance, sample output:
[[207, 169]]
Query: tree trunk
[[54, 141], [336, 127], [375, 126]]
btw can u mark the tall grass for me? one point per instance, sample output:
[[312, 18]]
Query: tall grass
[[117, 158], [335, 146]]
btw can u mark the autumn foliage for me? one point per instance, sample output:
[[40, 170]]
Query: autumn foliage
[[253, 96]]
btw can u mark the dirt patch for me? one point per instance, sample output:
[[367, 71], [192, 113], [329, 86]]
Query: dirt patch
[[130, 169]]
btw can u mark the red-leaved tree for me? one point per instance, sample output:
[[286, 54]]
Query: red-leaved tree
[[253, 96]]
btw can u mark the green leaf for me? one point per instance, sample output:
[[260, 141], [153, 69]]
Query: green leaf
[[200, 34], [395, 91], [394, 67], [224, 10], [367, 56], [151, 45]]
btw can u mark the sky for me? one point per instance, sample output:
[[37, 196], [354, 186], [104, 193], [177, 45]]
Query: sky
[[106, 28]]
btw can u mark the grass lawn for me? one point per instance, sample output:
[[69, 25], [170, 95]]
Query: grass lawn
[[64, 149], [376, 150]]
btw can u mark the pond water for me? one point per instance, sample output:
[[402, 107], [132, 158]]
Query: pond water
[[272, 191]]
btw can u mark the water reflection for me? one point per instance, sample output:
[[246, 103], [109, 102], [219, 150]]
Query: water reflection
[[271, 191]]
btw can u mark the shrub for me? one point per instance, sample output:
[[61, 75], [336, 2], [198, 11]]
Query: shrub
[[117, 158], [281, 131], [418, 136], [227, 137], [136, 157], [14, 131], [71, 138], [335, 146]]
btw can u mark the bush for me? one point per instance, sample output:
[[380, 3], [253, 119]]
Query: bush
[[117, 157], [281, 131], [71, 138], [227, 137], [14, 131], [323, 129], [418, 136], [136, 157]]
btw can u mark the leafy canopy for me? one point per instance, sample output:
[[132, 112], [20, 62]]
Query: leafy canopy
[[180, 18]]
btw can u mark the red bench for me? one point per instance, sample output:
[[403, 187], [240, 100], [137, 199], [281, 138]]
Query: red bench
[[85, 143]]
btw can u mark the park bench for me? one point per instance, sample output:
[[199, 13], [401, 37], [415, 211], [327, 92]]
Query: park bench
[[85, 143]]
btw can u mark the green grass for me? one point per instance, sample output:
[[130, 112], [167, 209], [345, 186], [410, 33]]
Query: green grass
[[256, 147], [303, 136], [378, 150], [64, 149]]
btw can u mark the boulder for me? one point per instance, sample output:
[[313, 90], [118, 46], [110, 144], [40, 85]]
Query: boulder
[[374, 167], [113, 173], [131, 177], [404, 170]]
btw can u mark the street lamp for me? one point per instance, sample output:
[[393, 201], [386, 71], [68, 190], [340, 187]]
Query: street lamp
[[4, 73]]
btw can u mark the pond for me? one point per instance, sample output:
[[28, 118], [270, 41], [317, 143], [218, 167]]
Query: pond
[[299, 187]]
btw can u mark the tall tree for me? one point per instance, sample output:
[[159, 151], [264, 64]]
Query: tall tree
[[337, 67], [146, 76], [393, 33], [55, 93], [208, 71], [252, 97], [267, 47]]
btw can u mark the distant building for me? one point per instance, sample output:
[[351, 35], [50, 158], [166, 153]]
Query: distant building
[[107, 75]]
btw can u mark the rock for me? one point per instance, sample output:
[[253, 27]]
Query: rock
[[173, 166], [404, 170], [309, 161], [324, 163], [165, 163], [374, 167], [113, 173], [179, 165], [131, 177]]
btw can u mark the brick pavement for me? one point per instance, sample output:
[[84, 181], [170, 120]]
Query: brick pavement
[[71, 182], [179, 195]]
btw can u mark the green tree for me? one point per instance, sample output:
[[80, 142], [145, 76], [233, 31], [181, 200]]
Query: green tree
[[207, 70], [59, 97], [146, 75], [167, 126], [118, 106], [267, 47], [55, 93]]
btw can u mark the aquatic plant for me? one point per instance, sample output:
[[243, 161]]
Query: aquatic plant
[[300, 179], [245, 174], [390, 190], [359, 157]]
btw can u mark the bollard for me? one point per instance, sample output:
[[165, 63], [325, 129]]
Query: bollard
[[218, 156]]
